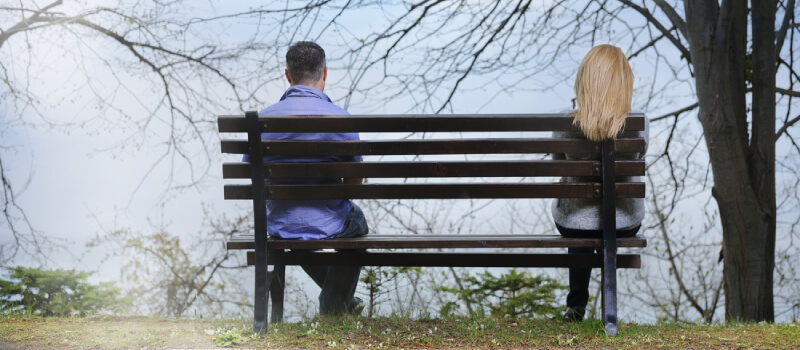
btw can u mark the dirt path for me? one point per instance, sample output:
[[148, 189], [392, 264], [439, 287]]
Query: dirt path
[[8, 346]]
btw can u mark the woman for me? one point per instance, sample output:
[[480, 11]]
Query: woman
[[603, 89]]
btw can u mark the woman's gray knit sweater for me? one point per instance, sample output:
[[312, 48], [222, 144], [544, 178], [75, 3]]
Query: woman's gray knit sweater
[[585, 214]]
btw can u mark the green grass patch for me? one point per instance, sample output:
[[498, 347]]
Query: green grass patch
[[114, 332]]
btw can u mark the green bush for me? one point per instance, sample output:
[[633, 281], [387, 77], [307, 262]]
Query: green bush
[[231, 337], [57, 293], [513, 295]]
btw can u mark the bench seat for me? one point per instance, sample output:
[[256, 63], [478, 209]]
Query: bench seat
[[436, 242], [441, 259]]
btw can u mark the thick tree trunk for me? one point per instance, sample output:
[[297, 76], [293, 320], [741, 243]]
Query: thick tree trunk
[[762, 145], [718, 39]]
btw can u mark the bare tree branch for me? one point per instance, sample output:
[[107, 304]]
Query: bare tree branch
[[649, 16], [673, 16], [786, 126], [675, 113], [645, 47], [787, 92], [26, 22], [781, 35]]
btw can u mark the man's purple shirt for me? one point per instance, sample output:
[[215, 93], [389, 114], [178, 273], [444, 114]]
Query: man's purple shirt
[[306, 219]]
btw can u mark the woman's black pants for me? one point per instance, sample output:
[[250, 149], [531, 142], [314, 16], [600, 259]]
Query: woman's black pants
[[579, 277]]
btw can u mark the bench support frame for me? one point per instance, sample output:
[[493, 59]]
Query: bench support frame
[[263, 276], [609, 240], [269, 285], [273, 282]]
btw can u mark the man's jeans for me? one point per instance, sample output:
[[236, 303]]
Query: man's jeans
[[338, 283], [579, 277]]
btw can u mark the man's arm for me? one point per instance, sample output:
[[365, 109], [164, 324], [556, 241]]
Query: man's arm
[[353, 180]]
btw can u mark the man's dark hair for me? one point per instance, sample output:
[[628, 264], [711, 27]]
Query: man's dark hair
[[305, 61]]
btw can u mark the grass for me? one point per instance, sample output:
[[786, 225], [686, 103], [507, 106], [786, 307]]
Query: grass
[[117, 332]]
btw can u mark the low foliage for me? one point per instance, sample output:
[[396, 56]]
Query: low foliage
[[513, 294], [57, 292], [230, 337], [377, 281], [171, 278]]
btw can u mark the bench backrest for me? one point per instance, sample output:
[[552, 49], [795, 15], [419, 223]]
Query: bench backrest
[[426, 169]]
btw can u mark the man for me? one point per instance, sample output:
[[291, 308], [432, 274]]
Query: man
[[321, 219]]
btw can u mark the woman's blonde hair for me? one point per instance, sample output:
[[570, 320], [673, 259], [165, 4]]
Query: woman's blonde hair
[[603, 90]]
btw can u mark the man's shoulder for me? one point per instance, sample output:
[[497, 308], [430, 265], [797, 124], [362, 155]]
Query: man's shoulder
[[278, 108], [303, 107], [339, 110]]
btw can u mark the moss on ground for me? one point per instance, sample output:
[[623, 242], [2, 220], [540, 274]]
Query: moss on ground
[[118, 332]]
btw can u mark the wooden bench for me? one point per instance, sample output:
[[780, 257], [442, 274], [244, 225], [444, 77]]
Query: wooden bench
[[419, 249]]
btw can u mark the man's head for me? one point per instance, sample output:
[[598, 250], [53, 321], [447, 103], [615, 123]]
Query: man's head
[[305, 65]]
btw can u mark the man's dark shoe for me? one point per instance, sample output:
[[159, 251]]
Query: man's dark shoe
[[356, 307], [575, 313]]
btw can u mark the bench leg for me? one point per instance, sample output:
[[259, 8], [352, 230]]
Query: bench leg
[[263, 276], [609, 239], [609, 281], [263, 281], [276, 290]]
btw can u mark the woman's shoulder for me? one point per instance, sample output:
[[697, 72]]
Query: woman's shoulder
[[568, 134]]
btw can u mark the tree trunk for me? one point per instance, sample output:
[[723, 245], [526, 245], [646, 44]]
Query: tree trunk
[[718, 42], [762, 145]]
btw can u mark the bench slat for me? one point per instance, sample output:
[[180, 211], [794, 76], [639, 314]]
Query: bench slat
[[437, 241], [406, 147], [437, 191], [416, 123], [532, 168], [448, 259]]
